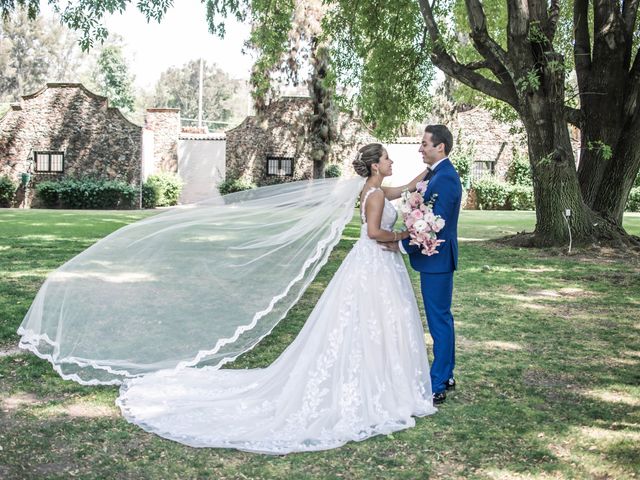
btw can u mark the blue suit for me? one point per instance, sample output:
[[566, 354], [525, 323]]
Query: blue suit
[[436, 271]]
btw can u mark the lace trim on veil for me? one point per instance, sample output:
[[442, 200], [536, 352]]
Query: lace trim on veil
[[34, 342]]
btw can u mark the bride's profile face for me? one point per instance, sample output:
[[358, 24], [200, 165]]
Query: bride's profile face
[[385, 164]]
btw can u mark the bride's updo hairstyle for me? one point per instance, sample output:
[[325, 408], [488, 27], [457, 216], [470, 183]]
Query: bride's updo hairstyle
[[367, 155]]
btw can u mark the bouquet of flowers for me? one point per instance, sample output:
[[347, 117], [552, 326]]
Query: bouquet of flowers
[[420, 220]]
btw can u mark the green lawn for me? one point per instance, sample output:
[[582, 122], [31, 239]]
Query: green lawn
[[548, 355]]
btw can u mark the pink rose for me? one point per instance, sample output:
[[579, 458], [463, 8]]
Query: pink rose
[[417, 214], [415, 199], [429, 217]]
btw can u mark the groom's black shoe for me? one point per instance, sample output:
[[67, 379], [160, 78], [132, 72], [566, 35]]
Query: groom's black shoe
[[450, 384], [439, 398]]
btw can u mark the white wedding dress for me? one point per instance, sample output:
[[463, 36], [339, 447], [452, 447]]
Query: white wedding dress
[[357, 369]]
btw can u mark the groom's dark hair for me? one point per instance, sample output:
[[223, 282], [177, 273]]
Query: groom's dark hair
[[440, 134]]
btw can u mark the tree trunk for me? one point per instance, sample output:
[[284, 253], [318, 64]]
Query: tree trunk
[[613, 192], [555, 184], [321, 127], [318, 169], [609, 160]]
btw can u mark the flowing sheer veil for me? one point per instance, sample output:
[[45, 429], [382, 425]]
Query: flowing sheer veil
[[196, 285]]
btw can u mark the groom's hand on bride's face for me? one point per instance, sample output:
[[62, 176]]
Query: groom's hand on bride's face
[[390, 246]]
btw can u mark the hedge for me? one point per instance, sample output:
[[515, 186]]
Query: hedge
[[87, 194], [492, 194]]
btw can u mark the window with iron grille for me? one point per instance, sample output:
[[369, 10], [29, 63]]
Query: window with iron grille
[[49, 162], [482, 169], [279, 166]]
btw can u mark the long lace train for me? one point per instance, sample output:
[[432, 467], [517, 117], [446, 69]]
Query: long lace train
[[358, 368]]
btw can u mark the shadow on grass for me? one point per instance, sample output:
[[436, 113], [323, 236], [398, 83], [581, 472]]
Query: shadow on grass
[[547, 364]]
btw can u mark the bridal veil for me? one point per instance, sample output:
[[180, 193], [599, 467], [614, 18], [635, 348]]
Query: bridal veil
[[196, 285]]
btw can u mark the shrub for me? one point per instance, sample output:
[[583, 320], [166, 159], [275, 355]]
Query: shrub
[[637, 182], [491, 194], [87, 193], [7, 191], [633, 203], [519, 171], [333, 171], [233, 185], [47, 193], [168, 186], [462, 161], [520, 197], [150, 194]]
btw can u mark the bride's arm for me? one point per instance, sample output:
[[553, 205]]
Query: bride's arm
[[394, 192], [373, 212]]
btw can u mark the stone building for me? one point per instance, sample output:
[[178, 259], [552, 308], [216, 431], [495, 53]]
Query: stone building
[[66, 130], [275, 146]]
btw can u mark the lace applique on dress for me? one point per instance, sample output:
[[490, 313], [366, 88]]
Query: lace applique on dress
[[357, 368]]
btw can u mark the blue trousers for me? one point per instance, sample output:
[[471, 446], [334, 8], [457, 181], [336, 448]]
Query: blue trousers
[[437, 290]]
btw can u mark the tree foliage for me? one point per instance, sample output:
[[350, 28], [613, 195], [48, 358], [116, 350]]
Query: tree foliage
[[113, 78], [380, 58], [35, 52], [178, 88]]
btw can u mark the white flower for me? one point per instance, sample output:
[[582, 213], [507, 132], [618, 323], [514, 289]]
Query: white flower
[[405, 208], [439, 223], [420, 226]]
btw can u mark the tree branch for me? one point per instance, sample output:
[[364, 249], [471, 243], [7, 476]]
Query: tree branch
[[518, 19], [629, 15], [582, 46], [477, 65], [633, 89], [519, 46], [451, 67], [573, 116], [497, 59], [554, 16]]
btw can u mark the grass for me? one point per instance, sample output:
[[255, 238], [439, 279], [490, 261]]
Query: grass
[[548, 355]]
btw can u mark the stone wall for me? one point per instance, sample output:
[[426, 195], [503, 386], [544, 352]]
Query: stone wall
[[490, 140], [97, 140], [165, 124], [283, 131]]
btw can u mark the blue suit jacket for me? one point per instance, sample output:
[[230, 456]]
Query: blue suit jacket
[[445, 181]]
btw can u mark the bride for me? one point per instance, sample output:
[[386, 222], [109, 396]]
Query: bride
[[358, 367]]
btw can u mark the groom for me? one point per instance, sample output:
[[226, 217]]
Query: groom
[[436, 271]]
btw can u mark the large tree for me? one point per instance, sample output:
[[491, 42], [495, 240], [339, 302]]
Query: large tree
[[518, 62], [33, 52], [287, 37], [178, 88], [113, 79]]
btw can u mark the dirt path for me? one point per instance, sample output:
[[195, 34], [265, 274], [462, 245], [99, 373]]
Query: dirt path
[[7, 350]]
